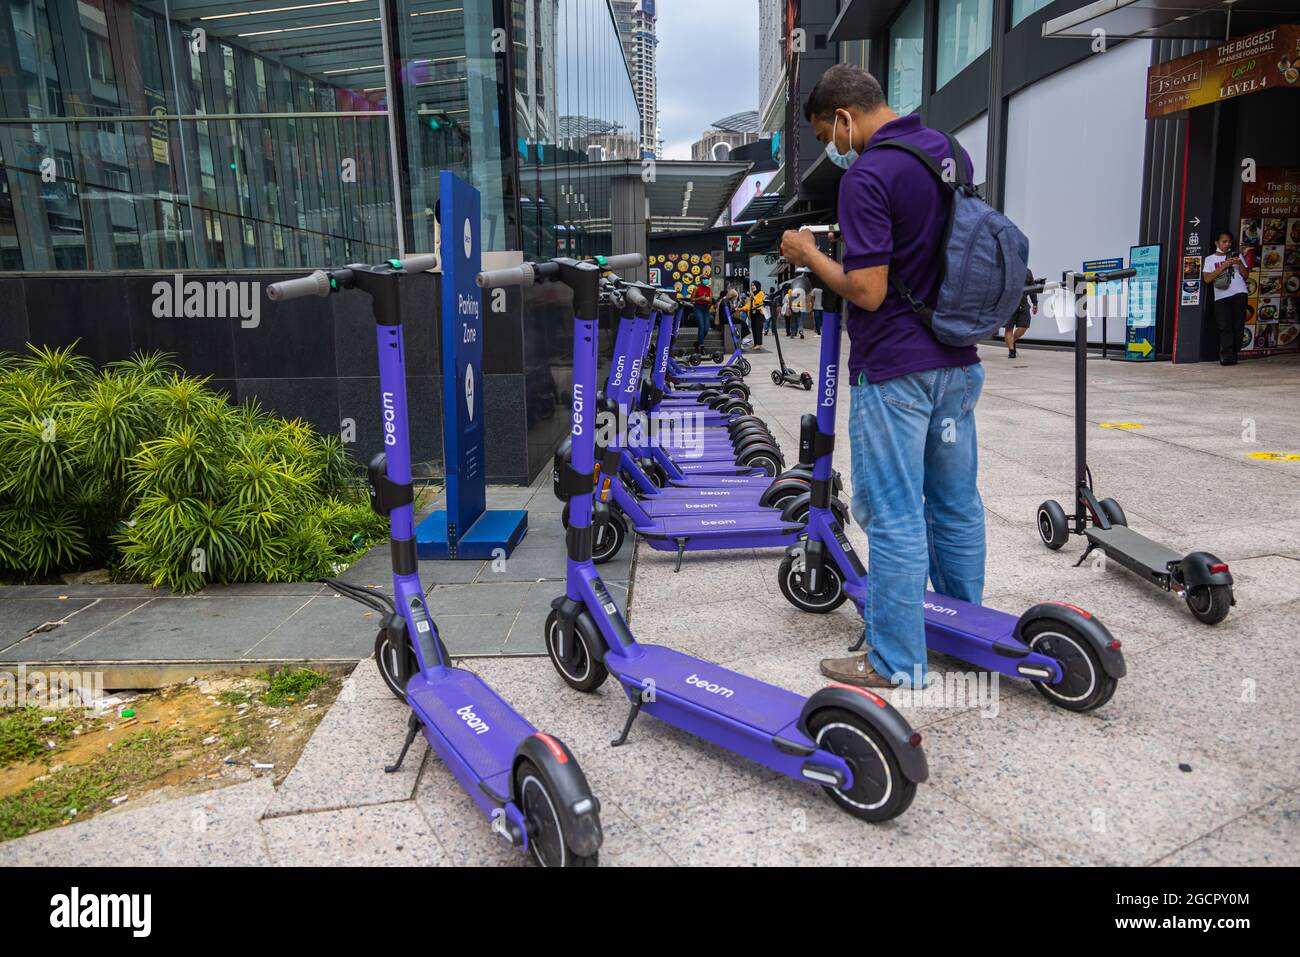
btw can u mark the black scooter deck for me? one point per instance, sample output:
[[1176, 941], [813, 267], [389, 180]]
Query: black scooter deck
[[1134, 551]]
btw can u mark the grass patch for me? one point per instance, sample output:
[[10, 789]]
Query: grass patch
[[234, 697], [89, 787], [290, 685], [23, 736]]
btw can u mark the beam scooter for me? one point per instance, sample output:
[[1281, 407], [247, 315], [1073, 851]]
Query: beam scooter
[[1199, 578], [849, 741], [1067, 653], [526, 782]]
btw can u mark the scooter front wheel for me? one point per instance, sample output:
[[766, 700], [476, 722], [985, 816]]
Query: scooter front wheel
[[880, 791], [776, 377], [1053, 526], [607, 539], [545, 830], [582, 666], [397, 665], [794, 587]]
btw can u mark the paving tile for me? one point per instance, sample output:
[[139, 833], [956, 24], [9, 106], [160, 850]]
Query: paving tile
[[215, 828], [377, 835]]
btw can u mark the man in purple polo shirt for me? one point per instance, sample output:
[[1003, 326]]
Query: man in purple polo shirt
[[911, 421]]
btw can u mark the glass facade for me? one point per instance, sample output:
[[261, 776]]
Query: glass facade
[[965, 31], [1023, 8], [906, 44], [236, 134], [575, 115], [213, 138]]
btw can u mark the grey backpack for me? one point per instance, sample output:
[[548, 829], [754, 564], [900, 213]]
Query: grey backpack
[[985, 259]]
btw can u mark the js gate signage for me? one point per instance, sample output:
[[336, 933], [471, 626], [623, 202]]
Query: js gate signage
[[464, 529], [1262, 60]]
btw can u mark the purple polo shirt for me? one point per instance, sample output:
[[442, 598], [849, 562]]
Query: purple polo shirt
[[893, 211]]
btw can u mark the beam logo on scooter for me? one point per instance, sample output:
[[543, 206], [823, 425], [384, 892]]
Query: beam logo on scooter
[[390, 416], [476, 724], [831, 377], [709, 686]]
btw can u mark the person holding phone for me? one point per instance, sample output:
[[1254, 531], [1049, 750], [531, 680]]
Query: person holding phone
[[1224, 270]]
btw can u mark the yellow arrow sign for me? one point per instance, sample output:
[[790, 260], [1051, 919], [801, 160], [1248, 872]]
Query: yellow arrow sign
[[1119, 425], [1141, 347], [1274, 456]]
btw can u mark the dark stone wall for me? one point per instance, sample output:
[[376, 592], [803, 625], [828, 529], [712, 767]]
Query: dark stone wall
[[315, 358]]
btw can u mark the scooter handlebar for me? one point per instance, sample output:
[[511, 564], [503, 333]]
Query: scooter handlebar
[[622, 261], [1112, 276], [664, 304], [636, 297], [420, 263], [522, 275], [317, 284]]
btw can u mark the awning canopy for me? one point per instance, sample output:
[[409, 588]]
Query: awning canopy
[[863, 19], [1178, 19], [760, 207], [683, 195], [765, 234]]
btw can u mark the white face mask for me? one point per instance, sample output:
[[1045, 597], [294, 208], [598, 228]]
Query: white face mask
[[846, 159]]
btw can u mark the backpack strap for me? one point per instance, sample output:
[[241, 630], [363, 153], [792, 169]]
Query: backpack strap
[[926, 313]]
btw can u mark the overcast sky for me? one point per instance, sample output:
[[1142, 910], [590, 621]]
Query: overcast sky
[[707, 66]]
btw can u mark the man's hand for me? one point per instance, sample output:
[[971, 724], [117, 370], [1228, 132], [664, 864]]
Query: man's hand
[[798, 246]]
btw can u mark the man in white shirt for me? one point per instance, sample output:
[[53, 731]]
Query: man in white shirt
[[1225, 271], [817, 308]]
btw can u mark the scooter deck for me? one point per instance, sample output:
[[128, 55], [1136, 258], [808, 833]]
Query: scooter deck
[[1121, 539], [711, 687], [975, 633], [484, 737], [767, 521]]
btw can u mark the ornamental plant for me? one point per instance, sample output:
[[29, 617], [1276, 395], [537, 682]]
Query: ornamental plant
[[149, 471]]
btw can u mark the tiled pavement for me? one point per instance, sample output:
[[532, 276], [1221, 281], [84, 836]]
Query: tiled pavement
[[1194, 761], [481, 607]]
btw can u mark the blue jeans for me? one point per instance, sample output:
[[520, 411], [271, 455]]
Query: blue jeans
[[914, 464], [702, 320]]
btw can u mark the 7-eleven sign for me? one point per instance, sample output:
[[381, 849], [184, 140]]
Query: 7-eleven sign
[[733, 243]]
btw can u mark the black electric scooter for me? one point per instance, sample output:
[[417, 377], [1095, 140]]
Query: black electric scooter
[[785, 375], [1199, 578]]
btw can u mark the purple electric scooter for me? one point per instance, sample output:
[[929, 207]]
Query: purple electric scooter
[[526, 782], [1065, 652], [849, 741]]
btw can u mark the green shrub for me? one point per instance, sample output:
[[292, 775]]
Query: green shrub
[[149, 470]]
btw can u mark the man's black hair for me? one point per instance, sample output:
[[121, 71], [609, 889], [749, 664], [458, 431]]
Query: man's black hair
[[843, 87], [1221, 233]]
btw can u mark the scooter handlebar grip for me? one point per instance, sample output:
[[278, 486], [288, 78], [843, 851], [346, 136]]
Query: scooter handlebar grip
[[624, 261], [521, 275], [635, 297], [664, 304], [317, 284], [1114, 275], [420, 263]]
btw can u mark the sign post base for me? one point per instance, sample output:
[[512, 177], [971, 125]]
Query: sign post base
[[492, 533]]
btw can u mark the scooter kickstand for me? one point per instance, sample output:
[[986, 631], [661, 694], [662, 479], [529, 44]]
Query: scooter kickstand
[[412, 729], [681, 550], [631, 716], [1086, 552]]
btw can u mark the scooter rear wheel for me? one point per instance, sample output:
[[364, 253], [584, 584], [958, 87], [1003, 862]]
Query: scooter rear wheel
[[880, 792], [806, 381], [584, 668], [1085, 685], [545, 831], [1209, 603], [827, 599]]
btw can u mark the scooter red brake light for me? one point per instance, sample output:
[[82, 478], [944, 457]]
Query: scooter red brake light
[[875, 698], [1219, 568]]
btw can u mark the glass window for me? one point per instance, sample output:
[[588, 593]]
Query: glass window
[[906, 38], [1023, 8], [166, 134], [965, 31], [576, 114]]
